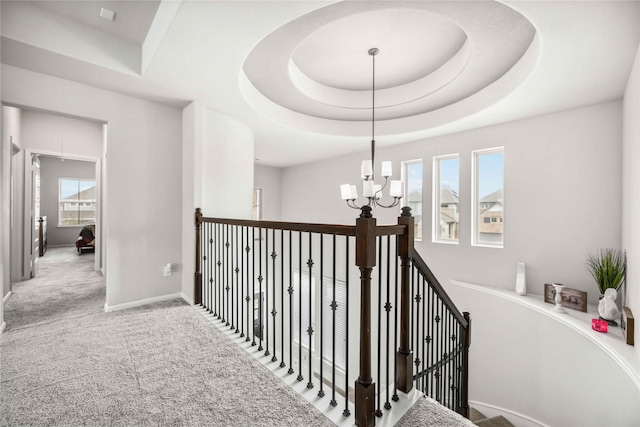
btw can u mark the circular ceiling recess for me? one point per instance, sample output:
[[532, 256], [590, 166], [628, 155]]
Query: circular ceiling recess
[[439, 61]]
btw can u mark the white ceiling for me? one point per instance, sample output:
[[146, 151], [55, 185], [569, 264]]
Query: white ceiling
[[298, 73]]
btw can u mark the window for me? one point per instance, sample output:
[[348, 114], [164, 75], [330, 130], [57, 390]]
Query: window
[[77, 202], [257, 204], [412, 178], [446, 202], [488, 197]]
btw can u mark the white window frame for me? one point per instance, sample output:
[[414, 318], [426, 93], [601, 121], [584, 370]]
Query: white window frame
[[475, 199], [78, 202], [405, 192], [435, 226], [257, 203]]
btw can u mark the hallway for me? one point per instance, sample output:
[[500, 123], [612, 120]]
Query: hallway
[[66, 286]]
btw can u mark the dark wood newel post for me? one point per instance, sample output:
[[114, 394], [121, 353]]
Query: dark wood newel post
[[197, 289], [404, 356], [465, 366], [365, 260]]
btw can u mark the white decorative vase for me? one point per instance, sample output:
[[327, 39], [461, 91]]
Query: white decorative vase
[[521, 279], [558, 308], [607, 307]]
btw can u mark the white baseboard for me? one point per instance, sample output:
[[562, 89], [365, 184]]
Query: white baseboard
[[3, 327], [186, 298], [140, 302], [515, 418], [7, 296]]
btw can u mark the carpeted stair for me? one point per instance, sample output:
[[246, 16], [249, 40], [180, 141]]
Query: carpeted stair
[[480, 420]]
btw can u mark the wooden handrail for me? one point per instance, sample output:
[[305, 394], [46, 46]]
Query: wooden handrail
[[442, 294], [340, 230]]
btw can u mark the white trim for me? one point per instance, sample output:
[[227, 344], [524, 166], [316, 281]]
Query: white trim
[[475, 197], [513, 417], [614, 347], [6, 297], [140, 302], [188, 300], [3, 327]]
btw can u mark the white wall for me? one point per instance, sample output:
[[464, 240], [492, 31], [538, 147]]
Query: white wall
[[270, 180], [631, 192], [10, 132], [66, 136], [12, 142], [227, 167], [546, 366], [562, 196], [51, 170], [217, 176], [143, 188]]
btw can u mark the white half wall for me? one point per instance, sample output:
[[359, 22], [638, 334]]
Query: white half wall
[[631, 193], [143, 170], [562, 197]]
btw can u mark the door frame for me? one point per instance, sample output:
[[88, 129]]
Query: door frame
[[28, 196]]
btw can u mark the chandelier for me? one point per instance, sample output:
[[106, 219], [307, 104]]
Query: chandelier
[[371, 191]]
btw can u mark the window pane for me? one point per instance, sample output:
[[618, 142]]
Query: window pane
[[412, 173], [77, 200], [257, 204], [447, 201], [489, 197]]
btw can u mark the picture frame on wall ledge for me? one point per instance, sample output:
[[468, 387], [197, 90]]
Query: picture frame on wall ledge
[[571, 298]]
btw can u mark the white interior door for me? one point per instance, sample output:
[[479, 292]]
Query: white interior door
[[35, 214]]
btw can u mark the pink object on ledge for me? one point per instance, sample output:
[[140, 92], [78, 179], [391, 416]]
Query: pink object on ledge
[[599, 325]]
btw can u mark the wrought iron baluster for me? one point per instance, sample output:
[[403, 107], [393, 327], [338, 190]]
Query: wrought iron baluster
[[253, 285], [300, 377], [219, 270], [243, 268], [282, 364], [388, 307], [266, 293], [248, 297], [378, 410], [422, 337], [260, 278], [228, 276], [274, 255], [416, 326], [321, 305], [334, 307], [310, 329], [396, 325], [236, 299], [346, 411], [290, 371]]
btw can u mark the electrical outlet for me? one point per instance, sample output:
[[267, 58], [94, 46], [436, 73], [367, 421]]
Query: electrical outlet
[[167, 270]]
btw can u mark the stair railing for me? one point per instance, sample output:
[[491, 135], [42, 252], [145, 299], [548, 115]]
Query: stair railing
[[262, 279]]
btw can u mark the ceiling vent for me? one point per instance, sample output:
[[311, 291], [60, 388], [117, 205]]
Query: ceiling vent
[[107, 14]]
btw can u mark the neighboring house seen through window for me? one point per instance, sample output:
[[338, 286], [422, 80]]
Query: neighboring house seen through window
[[446, 201], [77, 202], [488, 197]]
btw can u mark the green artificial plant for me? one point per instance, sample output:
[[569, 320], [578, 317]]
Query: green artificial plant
[[608, 268]]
